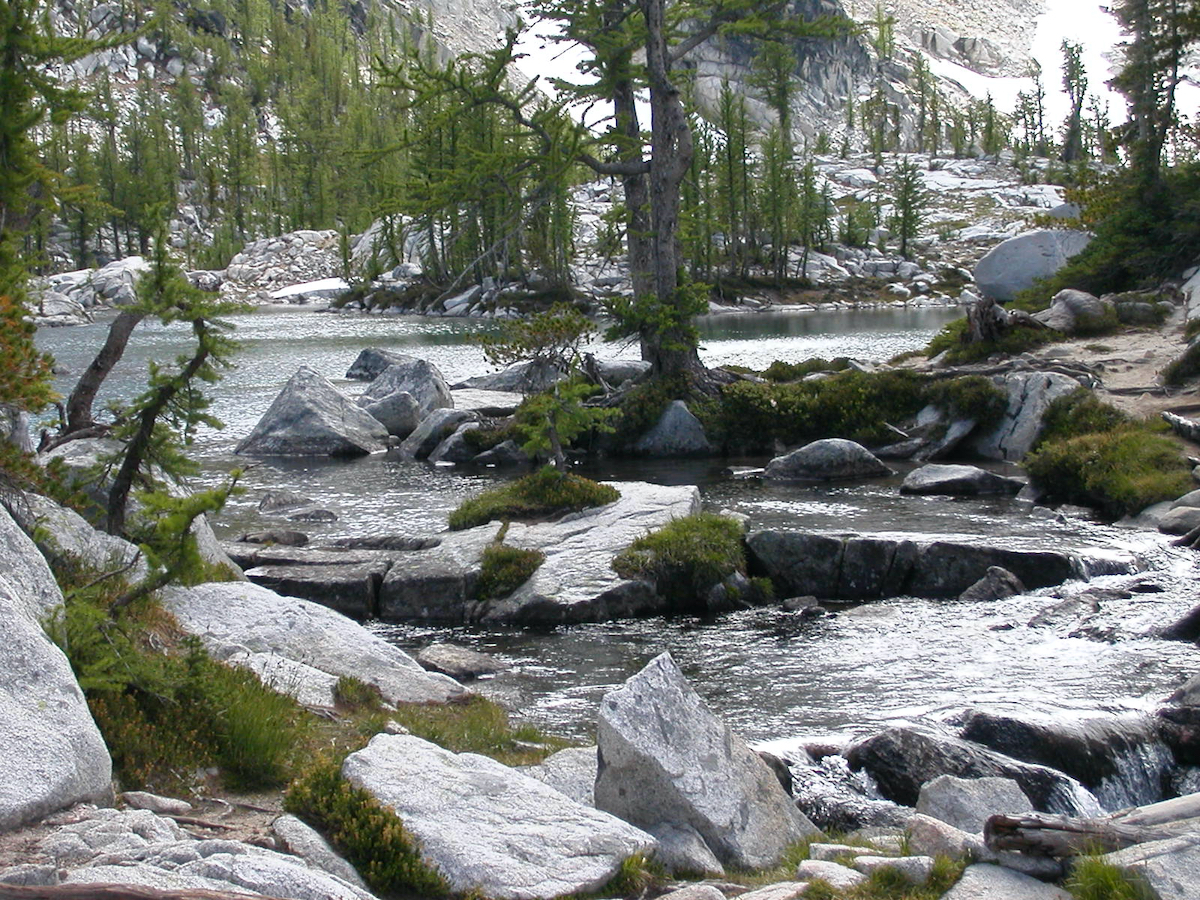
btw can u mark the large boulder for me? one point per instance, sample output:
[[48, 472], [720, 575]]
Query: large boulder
[[571, 772], [958, 481], [966, 803], [433, 429], [903, 758], [1029, 394], [665, 758], [311, 417], [1171, 868], [1013, 265], [489, 829], [51, 753], [523, 377], [373, 362], [244, 623], [676, 433], [419, 379], [831, 459]]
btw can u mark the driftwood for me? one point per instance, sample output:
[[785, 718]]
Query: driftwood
[[1188, 429], [111, 892], [1043, 834]]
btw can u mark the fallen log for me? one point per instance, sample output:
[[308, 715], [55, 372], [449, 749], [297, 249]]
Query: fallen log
[[1043, 834], [112, 892], [1188, 429]]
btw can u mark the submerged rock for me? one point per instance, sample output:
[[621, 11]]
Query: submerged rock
[[997, 584], [665, 758], [490, 829], [958, 481], [311, 417], [831, 459], [459, 662]]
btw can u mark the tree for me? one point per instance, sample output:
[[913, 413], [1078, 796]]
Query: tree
[[1075, 83], [909, 199]]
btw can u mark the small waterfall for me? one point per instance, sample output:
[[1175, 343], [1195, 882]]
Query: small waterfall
[[1143, 775]]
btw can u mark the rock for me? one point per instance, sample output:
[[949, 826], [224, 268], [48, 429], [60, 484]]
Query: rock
[[429, 587], [282, 501], [155, 804], [838, 876], [434, 428], [457, 448], [913, 869], [1013, 265], [682, 851], [419, 379], [308, 844], [571, 772], [398, 412], [53, 754], [860, 567], [677, 433], [459, 662], [351, 588], [783, 890], [1071, 311], [1179, 520], [930, 836], [997, 584], [831, 852], [618, 371], [1119, 758], [1029, 394], [311, 417], [280, 536], [966, 803], [984, 881], [237, 619], [504, 454], [665, 758], [462, 809], [958, 481], [903, 758], [373, 362], [1171, 868], [65, 538], [523, 377], [827, 460], [268, 266], [695, 892], [1188, 693]]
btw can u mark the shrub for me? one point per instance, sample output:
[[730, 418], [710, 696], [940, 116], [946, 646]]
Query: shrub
[[1183, 367], [1119, 472], [543, 494], [1098, 325], [781, 371], [369, 835], [1094, 879], [1079, 412], [970, 397], [504, 569], [686, 557], [952, 340]]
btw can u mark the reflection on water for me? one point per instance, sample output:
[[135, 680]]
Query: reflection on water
[[772, 672]]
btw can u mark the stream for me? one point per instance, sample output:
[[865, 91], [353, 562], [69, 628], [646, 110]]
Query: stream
[[775, 675]]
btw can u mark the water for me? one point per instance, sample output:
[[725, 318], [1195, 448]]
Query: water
[[773, 673]]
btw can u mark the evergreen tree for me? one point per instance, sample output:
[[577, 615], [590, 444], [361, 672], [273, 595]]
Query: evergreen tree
[[909, 203], [1075, 83]]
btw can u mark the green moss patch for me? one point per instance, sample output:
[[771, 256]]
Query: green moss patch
[[544, 494], [686, 557], [504, 569]]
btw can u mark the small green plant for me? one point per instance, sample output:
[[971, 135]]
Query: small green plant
[[352, 693], [1183, 367], [1097, 348], [1192, 328], [1092, 878], [637, 876], [503, 569], [368, 834], [1079, 412], [477, 725], [543, 494], [969, 397], [685, 557]]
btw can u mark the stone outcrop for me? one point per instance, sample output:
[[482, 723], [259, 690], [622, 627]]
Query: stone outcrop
[[490, 829], [310, 417], [571, 772], [1015, 264], [831, 459], [1171, 868], [1029, 394], [372, 362], [300, 646], [266, 266], [53, 754], [864, 567], [958, 481], [665, 758], [1071, 311], [418, 381], [984, 881], [676, 433]]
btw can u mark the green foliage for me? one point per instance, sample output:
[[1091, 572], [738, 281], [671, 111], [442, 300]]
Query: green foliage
[[1120, 472], [1092, 878], [554, 419], [970, 397], [953, 338], [165, 713], [1080, 412], [685, 557], [503, 569], [780, 371], [543, 494], [477, 725], [368, 834], [637, 876], [352, 693], [1185, 366], [909, 201]]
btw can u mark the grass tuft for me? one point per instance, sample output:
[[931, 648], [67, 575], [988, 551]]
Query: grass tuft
[[504, 569], [543, 494], [1094, 879]]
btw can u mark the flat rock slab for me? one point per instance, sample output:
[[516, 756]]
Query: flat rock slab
[[459, 662], [666, 758], [1171, 868], [236, 620], [987, 882], [490, 829]]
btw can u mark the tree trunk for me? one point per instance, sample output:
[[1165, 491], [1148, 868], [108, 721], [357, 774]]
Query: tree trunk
[[79, 404], [670, 350]]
